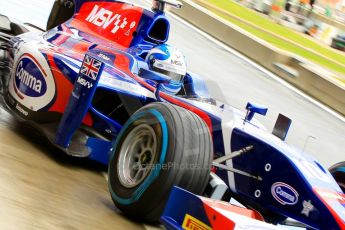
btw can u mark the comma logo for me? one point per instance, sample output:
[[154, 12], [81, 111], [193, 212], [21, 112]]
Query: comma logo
[[284, 193], [30, 77], [27, 79]]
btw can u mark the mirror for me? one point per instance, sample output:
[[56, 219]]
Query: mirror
[[252, 109]]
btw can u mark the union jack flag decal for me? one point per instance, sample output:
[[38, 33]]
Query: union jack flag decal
[[90, 67]]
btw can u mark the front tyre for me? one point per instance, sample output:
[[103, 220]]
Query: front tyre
[[160, 146]]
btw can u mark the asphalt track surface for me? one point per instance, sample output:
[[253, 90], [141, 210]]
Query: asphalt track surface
[[41, 188]]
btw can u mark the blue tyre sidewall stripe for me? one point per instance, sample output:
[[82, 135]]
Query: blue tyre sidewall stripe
[[340, 169], [156, 170]]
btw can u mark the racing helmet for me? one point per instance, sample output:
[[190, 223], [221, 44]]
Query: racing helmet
[[169, 61]]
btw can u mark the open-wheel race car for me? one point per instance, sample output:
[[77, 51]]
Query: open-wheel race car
[[106, 86]]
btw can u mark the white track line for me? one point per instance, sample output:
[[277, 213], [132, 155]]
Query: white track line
[[259, 67]]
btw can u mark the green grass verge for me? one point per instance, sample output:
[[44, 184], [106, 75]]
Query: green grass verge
[[267, 24]]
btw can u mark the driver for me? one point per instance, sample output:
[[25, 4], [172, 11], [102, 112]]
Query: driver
[[169, 61]]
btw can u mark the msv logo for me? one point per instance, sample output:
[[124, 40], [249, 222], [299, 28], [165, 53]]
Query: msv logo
[[284, 193], [30, 77], [102, 17]]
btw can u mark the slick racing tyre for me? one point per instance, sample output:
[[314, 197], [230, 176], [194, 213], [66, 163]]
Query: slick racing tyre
[[338, 173], [160, 146]]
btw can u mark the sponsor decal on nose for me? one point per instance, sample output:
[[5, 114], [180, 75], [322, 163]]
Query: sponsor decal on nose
[[284, 193]]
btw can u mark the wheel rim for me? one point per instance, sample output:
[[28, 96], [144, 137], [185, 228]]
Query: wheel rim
[[137, 154]]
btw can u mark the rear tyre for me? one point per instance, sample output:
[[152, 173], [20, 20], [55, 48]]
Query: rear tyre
[[338, 172], [160, 146]]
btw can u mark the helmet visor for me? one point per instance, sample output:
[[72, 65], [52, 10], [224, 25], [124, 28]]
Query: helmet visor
[[174, 76]]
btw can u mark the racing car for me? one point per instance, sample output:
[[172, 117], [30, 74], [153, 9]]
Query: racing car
[[105, 85]]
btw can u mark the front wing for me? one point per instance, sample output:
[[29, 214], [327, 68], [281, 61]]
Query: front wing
[[185, 210]]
